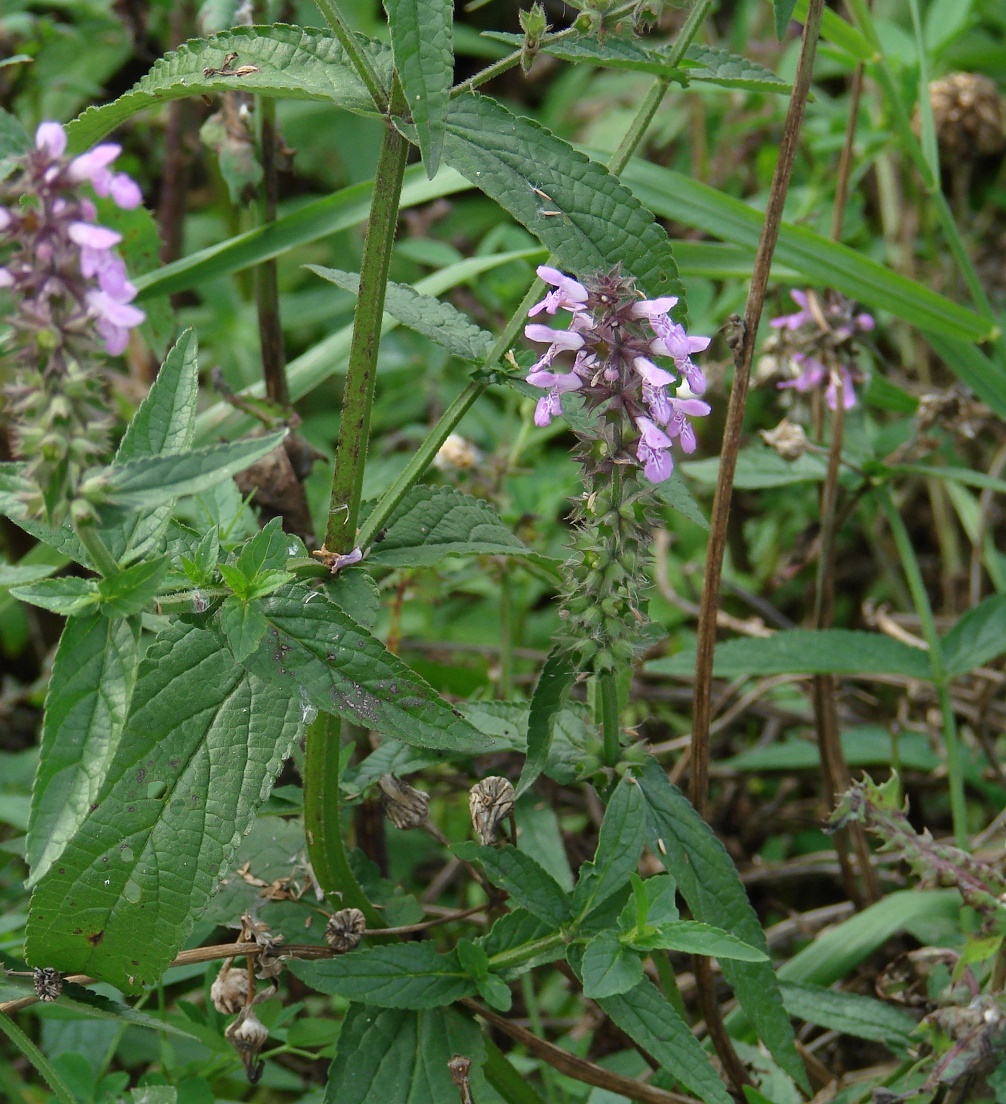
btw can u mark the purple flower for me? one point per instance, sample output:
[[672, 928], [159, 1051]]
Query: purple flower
[[50, 138], [678, 424], [550, 405], [568, 295], [653, 451], [803, 317]]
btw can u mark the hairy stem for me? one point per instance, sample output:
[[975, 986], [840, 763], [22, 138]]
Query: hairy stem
[[355, 53]]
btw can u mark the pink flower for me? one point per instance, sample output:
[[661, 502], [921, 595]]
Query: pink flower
[[653, 452], [51, 139], [569, 294], [802, 317], [550, 404], [678, 424]]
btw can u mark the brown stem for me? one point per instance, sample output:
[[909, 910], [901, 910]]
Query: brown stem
[[270, 328]]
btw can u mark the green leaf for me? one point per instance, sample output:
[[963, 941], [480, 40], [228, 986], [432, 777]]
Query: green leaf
[[151, 480], [522, 877], [495, 992], [558, 674], [85, 711], [619, 845], [731, 71], [422, 39], [392, 1056], [806, 652], [862, 746], [613, 52], [343, 669], [244, 625], [433, 318], [21, 574], [433, 522], [519, 941], [823, 262], [676, 495], [202, 745], [268, 550], [130, 590], [291, 62], [709, 882], [693, 937], [783, 14], [759, 468], [609, 967], [598, 224], [851, 1014], [977, 637], [67, 596], [971, 366], [403, 975]]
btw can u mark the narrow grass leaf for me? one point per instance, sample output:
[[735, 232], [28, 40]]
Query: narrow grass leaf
[[806, 652], [586, 217], [85, 712], [423, 43], [708, 881], [202, 745]]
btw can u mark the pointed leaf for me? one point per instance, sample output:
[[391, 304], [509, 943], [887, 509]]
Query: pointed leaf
[[694, 938], [422, 38], [291, 62], [609, 967], [434, 522], [393, 1056], [402, 975], [709, 882], [783, 14], [851, 1014], [66, 596], [433, 318], [731, 71], [555, 681], [244, 625], [199, 753], [148, 481], [522, 877], [977, 638], [619, 845], [345, 670], [130, 590], [85, 711], [268, 550], [597, 223], [519, 941]]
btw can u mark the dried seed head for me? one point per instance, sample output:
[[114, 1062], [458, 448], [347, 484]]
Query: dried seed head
[[460, 1069], [406, 806], [969, 114], [788, 439], [345, 929], [48, 983], [247, 1034], [490, 801], [229, 991]]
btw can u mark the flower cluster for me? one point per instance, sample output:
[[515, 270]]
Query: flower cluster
[[632, 365], [817, 344], [71, 301], [613, 334]]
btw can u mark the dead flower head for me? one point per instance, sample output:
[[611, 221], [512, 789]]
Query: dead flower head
[[490, 801], [229, 991], [345, 929], [406, 806], [247, 1034]]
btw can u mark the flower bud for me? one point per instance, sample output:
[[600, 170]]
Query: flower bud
[[406, 806], [533, 24], [490, 801], [345, 929]]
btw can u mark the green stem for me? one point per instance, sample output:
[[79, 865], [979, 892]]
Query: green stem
[[355, 53], [920, 598], [611, 717], [354, 425], [322, 820], [37, 1059], [266, 274], [96, 548]]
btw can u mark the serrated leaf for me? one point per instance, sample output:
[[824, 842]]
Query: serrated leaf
[[609, 967], [558, 674], [151, 480], [619, 845], [130, 590], [403, 975], [345, 670], [495, 992], [676, 494], [268, 550], [21, 574], [977, 637], [731, 70], [433, 522], [806, 652], [613, 52], [709, 882], [851, 1014], [649, 1020], [520, 937], [85, 711], [528, 883], [433, 318], [392, 1056], [598, 223], [67, 596], [202, 745], [693, 937], [99, 1007], [244, 625], [422, 38], [291, 62]]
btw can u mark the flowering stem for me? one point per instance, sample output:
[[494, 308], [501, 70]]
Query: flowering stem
[[102, 559], [611, 717], [355, 53], [354, 426], [920, 598]]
